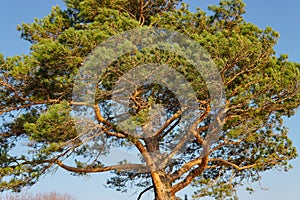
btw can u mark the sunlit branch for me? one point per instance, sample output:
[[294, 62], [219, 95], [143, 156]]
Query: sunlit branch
[[122, 167], [185, 168], [191, 176], [220, 160]]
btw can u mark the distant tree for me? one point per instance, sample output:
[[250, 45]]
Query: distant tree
[[38, 196], [38, 130]]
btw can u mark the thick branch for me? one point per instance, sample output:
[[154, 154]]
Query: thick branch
[[191, 176], [99, 116], [193, 127], [185, 168], [100, 169], [146, 154]]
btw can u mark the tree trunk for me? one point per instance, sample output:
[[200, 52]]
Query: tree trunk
[[161, 182], [162, 187]]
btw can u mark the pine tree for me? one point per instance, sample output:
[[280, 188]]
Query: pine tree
[[37, 100]]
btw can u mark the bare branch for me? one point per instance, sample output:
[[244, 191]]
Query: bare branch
[[145, 190]]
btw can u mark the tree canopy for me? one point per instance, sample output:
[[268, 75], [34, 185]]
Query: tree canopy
[[39, 131]]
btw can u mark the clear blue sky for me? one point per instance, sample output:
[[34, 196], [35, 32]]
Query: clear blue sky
[[283, 16]]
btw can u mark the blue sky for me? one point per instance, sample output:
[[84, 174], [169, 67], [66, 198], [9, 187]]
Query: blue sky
[[283, 16]]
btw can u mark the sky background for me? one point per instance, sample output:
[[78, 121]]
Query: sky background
[[283, 16]]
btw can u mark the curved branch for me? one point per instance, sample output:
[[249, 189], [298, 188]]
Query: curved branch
[[193, 127], [185, 168], [191, 176], [99, 116], [232, 164], [145, 190]]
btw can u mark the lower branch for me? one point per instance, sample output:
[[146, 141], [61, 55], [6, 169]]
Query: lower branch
[[100, 169]]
